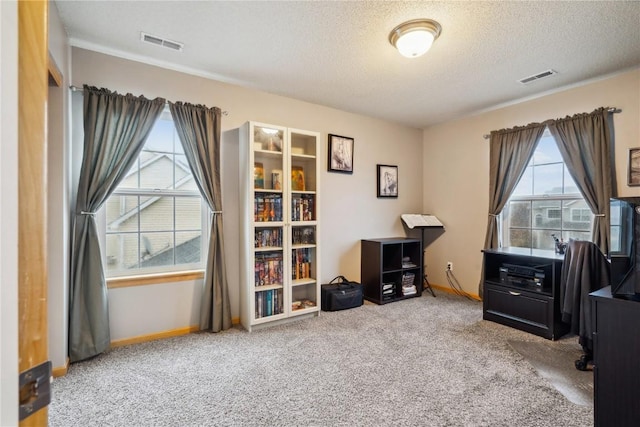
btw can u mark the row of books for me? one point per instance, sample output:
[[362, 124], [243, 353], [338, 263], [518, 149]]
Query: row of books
[[302, 207], [268, 269], [301, 263], [304, 235], [269, 303], [268, 237], [267, 207]]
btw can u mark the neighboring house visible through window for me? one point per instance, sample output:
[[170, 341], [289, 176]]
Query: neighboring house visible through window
[[153, 220], [546, 202]]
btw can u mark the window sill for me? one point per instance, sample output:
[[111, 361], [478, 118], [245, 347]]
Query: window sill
[[153, 279]]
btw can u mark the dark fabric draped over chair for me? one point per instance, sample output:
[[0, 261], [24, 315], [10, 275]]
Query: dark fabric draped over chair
[[199, 131], [584, 141], [509, 155], [585, 269], [115, 129]]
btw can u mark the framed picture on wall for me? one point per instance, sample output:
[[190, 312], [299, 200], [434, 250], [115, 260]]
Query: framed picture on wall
[[387, 181], [340, 154], [634, 166]]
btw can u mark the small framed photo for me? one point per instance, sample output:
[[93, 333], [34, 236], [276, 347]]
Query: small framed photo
[[634, 167], [387, 181], [340, 154]]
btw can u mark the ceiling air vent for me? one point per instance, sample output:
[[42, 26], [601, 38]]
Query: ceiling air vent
[[159, 41], [536, 77]]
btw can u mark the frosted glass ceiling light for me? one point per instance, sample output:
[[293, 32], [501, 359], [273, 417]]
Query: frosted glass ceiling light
[[414, 38]]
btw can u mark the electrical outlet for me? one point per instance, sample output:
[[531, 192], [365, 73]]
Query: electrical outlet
[[449, 266]]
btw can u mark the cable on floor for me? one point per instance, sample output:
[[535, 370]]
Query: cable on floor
[[455, 286]]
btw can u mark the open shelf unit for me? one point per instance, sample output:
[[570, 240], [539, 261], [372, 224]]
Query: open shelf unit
[[391, 269]]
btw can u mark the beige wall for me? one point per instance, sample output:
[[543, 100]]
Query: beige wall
[[8, 213], [456, 166], [349, 211], [58, 192]]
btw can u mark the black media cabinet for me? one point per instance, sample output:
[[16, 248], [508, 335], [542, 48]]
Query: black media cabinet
[[383, 272], [530, 307], [616, 356]]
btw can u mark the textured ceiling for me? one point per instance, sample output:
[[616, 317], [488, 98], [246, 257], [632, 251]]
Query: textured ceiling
[[336, 53]]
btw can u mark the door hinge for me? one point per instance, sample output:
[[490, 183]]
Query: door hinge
[[35, 389]]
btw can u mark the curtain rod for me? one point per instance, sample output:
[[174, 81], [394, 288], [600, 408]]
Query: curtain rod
[[611, 110], [79, 89]]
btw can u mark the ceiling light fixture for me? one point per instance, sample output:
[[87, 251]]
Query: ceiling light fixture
[[414, 38]]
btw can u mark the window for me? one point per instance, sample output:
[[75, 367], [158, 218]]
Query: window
[[545, 202], [622, 226], [153, 220], [581, 215]]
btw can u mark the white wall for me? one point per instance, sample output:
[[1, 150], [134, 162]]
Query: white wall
[[456, 166], [8, 213], [350, 210], [58, 142]]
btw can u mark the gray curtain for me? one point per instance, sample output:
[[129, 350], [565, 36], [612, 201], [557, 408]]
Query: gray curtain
[[584, 140], [115, 129], [509, 153], [199, 131]]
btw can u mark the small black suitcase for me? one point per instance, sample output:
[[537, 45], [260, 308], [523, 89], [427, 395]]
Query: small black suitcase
[[341, 295]]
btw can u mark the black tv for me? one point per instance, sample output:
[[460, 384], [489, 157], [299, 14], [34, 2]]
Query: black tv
[[625, 267]]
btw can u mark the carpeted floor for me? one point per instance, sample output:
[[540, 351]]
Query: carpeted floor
[[555, 361], [420, 362]]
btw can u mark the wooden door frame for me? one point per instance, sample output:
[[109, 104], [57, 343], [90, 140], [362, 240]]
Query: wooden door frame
[[32, 197]]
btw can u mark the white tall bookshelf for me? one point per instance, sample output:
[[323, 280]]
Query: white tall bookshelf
[[279, 207]]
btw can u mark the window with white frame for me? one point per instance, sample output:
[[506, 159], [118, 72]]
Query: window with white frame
[[153, 221], [545, 203]]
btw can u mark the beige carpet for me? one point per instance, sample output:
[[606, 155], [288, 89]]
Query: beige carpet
[[418, 362], [554, 361]]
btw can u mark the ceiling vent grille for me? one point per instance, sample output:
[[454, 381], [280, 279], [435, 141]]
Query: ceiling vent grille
[[159, 41], [536, 77]]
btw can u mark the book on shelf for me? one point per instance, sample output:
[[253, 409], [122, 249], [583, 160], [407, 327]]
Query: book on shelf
[[276, 179], [258, 175], [268, 237], [302, 207], [268, 269], [297, 178], [268, 303], [267, 207], [301, 263], [303, 236]]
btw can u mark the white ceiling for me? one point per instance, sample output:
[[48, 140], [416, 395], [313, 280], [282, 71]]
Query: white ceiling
[[336, 53]]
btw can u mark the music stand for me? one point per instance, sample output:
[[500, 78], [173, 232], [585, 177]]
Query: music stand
[[422, 222]]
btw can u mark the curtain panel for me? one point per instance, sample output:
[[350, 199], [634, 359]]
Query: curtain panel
[[115, 129], [198, 128], [584, 141], [509, 153]]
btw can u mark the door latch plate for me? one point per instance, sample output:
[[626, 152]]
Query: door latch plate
[[35, 389]]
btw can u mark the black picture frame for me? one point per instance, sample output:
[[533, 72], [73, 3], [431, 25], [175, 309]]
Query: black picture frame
[[340, 154], [387, 182], [634, 167]]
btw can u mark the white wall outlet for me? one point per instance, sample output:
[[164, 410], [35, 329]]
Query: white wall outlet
[[449, 266]]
